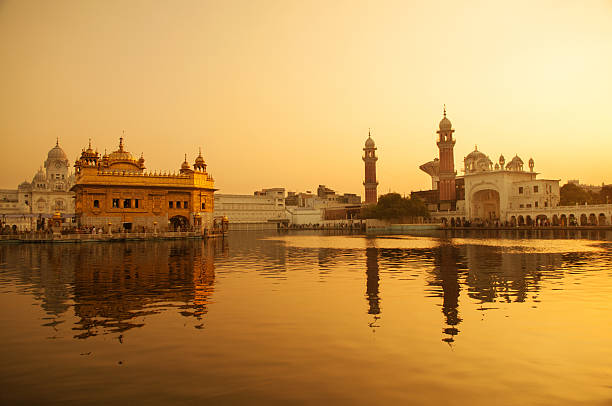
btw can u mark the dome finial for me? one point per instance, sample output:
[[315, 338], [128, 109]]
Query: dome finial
[[369, 132], [121, 143], [57, 142], [199, 151], [185, 157], [445, 110], [475, 147]]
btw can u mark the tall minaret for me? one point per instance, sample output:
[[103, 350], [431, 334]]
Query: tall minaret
[[446, 143], [370, 183]]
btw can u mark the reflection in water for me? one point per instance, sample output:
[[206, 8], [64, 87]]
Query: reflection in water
[[114, 285], [372, 284], [283, 310], [446, 276]]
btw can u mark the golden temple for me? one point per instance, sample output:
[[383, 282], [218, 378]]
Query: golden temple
[[114, 191]]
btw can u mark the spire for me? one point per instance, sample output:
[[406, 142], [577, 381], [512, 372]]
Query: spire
[[199, 151]]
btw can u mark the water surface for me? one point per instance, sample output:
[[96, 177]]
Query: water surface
[[303, 318]]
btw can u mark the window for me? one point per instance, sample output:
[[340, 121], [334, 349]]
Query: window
[[97, 204], [520, 190], [135, 203], [521, 206], [127, 203], [203, 205], [115, 203], [185, 205], [536, 204], [535, 190], [178, 205], [528, 205], [546, 204], [171, 205]]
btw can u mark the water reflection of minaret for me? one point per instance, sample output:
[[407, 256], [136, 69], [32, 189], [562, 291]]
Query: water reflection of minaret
[[372, 289], [447, 278]]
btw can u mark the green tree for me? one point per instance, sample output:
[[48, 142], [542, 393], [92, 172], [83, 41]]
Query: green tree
[[572, 194], [393, 206]]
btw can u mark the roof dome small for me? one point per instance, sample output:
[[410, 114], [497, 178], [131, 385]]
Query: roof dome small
[[57, 152]]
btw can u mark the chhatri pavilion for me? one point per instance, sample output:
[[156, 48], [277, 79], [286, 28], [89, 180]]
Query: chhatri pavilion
[[115, 190]]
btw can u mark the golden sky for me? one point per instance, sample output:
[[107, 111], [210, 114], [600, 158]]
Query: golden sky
[[282, 93]]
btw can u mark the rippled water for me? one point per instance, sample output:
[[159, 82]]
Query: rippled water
[[456, 318]]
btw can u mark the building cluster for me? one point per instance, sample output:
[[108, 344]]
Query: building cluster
[[111, 192], [275, 208], [115, 191], [504, 192]]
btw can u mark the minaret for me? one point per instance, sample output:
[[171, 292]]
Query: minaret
[[446, 143], [370, 183]]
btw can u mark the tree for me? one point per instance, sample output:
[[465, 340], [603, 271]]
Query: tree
[[393, 206], [572, 194]]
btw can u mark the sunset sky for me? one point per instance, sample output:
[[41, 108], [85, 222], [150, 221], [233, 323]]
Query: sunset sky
[[282, 93]]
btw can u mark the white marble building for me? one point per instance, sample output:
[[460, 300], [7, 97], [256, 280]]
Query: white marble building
[[496, 193], [47, 193]]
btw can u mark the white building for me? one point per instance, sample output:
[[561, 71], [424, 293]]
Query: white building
[[501, 192], [264, 210], [48, 193]]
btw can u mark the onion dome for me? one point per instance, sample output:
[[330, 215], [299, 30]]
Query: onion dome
[[516, 164], [370, 142], [476, 155], [445, 124], [121, 154], [185, 168], [57, 152], [40, 176], [199, 162]]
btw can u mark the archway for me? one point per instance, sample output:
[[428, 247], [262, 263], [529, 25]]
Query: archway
[[521, 221], [583, 220], [529, 221], [563, 220], [555, 220], [485, 205], [602, 219], [592, 219], [513, 221], [541, 220], [179, 223], [452, 222]]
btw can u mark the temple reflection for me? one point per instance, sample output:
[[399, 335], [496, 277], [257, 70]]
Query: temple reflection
[[113, 287], [372, 284]]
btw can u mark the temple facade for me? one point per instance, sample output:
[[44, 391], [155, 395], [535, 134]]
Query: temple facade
[[114, 191]]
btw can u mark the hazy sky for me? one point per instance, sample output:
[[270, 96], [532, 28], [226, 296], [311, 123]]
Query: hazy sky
[[281, 93]]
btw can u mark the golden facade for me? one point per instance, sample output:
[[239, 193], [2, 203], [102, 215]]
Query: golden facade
[[115, 191]]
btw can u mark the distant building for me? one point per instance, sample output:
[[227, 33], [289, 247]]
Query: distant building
[[264, 210], [370, 183], [115, 190], [30, 205]]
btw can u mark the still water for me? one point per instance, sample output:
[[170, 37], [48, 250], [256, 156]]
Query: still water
[[310, 318]]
